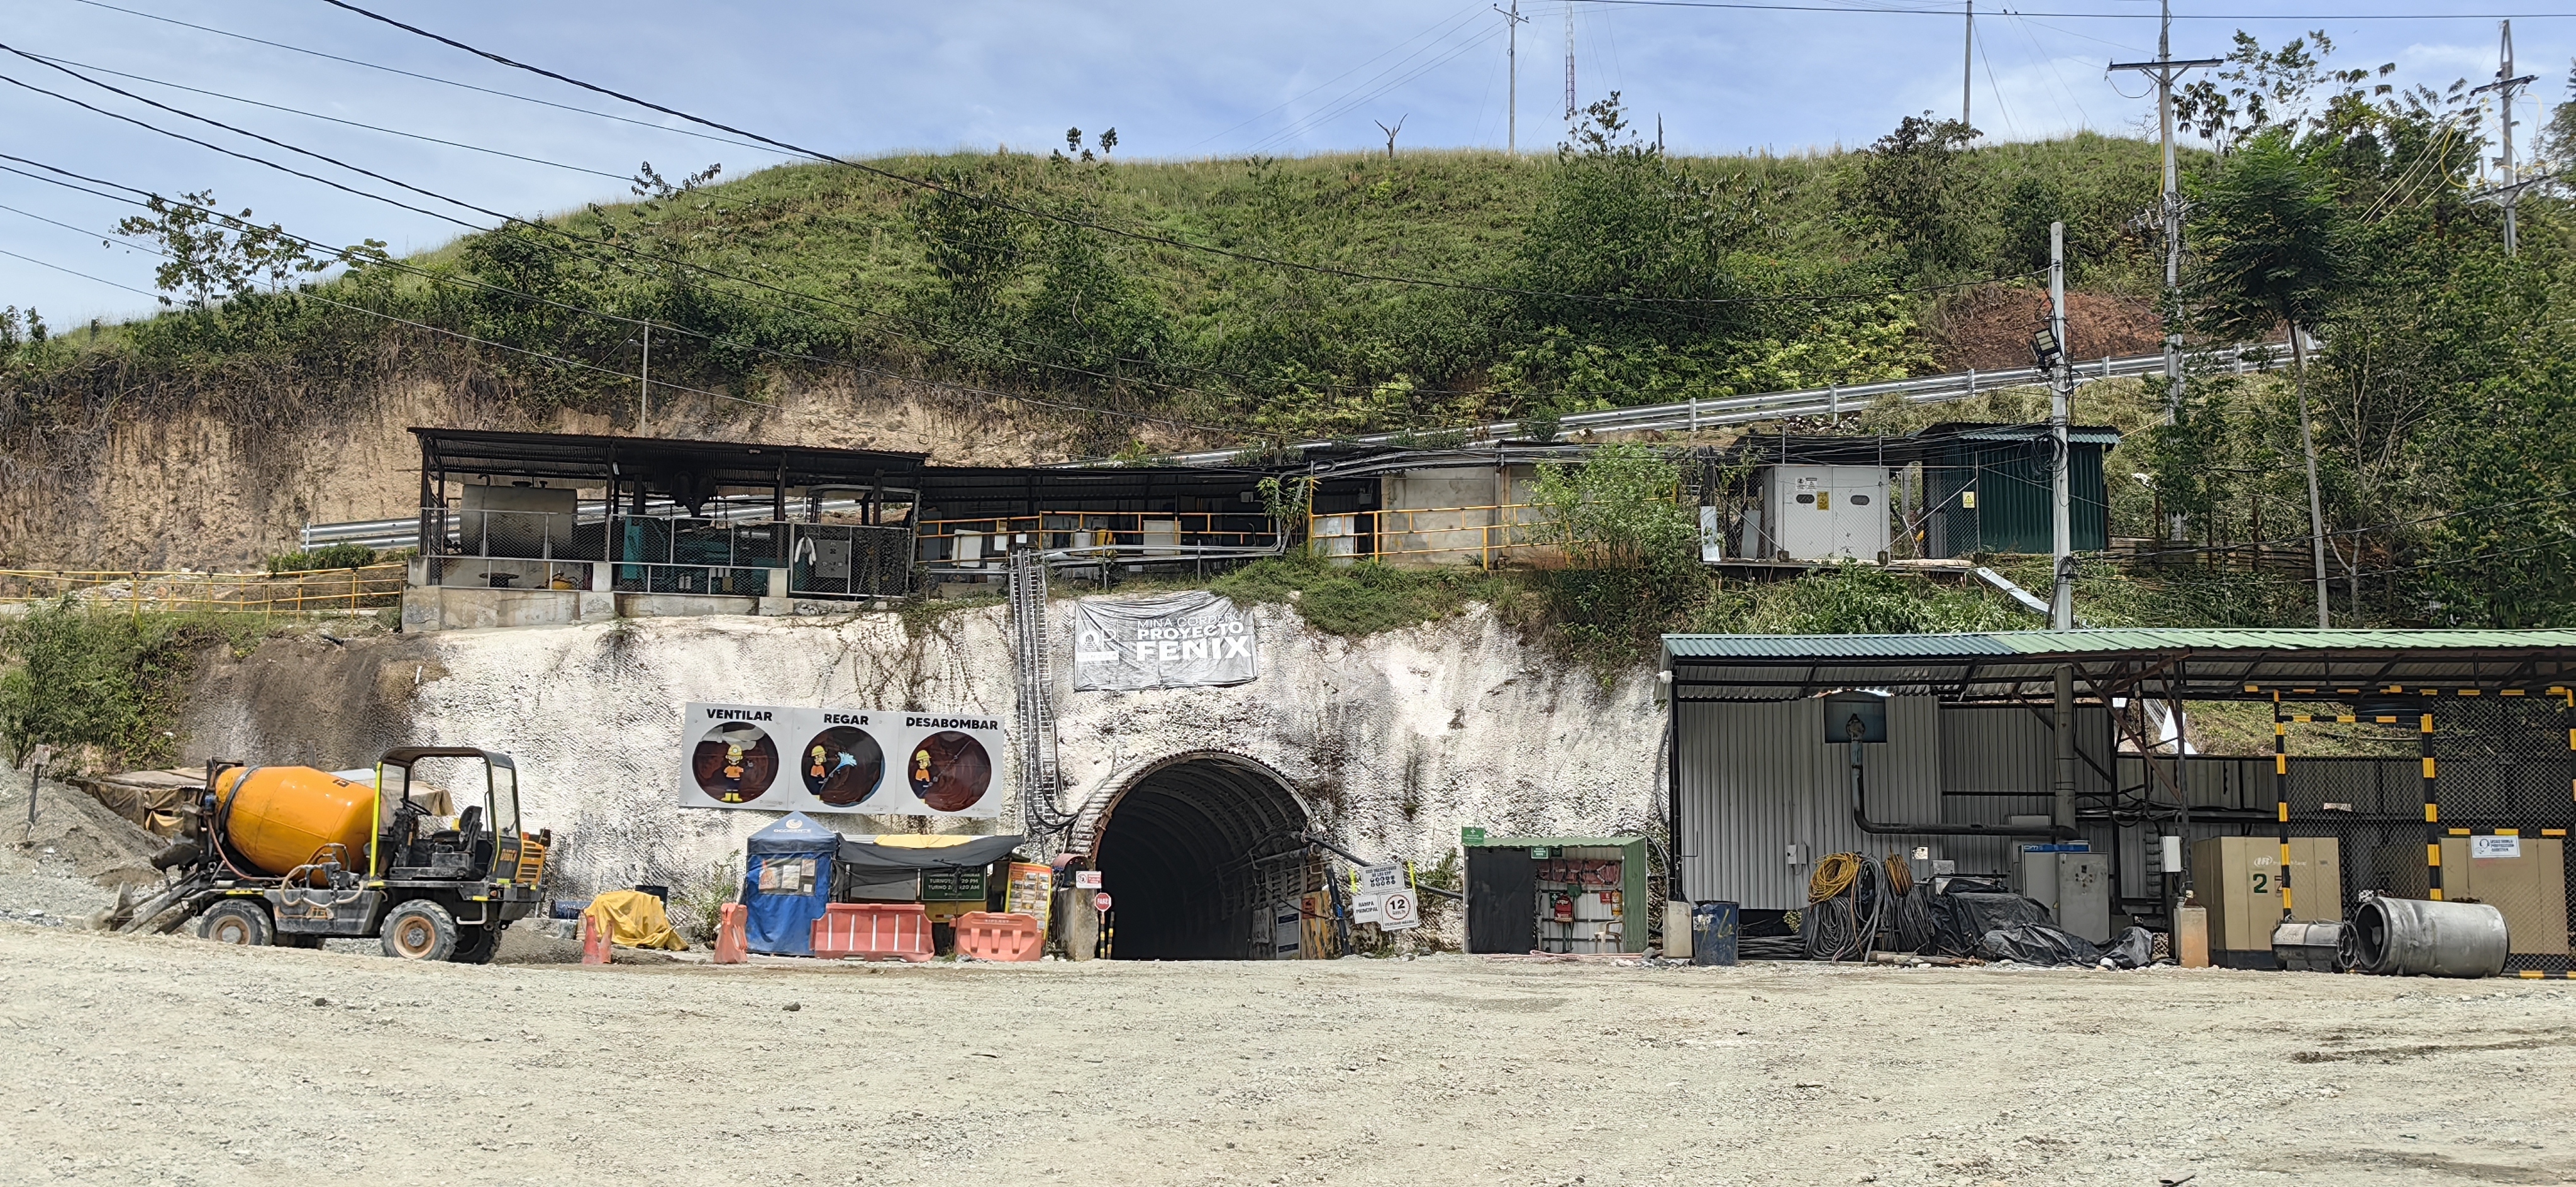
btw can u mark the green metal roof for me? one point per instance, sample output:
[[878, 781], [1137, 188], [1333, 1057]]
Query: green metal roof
[[2195, 662], [1800, 647]]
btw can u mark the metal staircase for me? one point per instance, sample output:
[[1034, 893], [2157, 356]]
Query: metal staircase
[[1041, 782]]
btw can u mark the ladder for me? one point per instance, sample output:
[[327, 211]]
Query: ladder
[[1041, 782]]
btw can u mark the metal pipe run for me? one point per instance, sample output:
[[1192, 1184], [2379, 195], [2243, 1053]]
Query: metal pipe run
[[1860, 810]]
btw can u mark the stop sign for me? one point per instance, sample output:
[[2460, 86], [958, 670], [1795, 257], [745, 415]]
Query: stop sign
[[1100, 901]]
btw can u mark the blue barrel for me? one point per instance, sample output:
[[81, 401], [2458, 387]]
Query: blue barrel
[[1714, 927]]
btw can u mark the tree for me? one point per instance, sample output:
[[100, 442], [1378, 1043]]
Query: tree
[[1913, 193], [2272, 249], [209, 254]]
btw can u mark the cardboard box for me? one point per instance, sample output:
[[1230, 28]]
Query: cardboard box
[[2238, 880], [2529, 886]]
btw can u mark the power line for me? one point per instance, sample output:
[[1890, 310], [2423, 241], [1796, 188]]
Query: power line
[[1441, 27], [337, 120], [467, 86], [2080, 16]]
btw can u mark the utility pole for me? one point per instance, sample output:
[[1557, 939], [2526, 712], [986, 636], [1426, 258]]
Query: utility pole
[[1512, 22], [2509, 193], [2165, 70], [1968, 64], [1569, 63], [2061, 605], [2061, 602], [644, 386]]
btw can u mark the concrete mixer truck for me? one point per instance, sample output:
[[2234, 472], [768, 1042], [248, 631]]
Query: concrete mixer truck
[[292, 856]]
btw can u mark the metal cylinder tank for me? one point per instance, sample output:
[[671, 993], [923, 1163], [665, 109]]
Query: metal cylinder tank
[[2423, 937], [277, 818]]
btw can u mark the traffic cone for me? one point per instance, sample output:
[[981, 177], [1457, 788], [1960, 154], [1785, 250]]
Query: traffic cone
[[594, 940], [733, 945]]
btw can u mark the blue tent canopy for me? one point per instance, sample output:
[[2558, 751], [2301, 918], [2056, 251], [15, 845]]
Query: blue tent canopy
[[796, 867], [787, 879]]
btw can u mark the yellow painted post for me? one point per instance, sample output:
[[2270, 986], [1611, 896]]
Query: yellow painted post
[[2432, 811], [2281, 789]]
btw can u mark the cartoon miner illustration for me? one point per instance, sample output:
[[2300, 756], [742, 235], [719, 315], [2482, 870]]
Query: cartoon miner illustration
[[815, 770], [733, 773]]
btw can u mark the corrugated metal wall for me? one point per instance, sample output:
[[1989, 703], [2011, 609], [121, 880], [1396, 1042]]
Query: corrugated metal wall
[[1759, 777], [1756, 777]]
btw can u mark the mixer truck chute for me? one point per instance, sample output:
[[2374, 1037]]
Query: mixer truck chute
[[292, 856]]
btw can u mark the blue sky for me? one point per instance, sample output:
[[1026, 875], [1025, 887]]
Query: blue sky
[[1175, 79]]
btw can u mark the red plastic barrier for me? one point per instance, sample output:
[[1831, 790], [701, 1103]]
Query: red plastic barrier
[[595, 947], [1000, 935], [733, 945], [870, 930]]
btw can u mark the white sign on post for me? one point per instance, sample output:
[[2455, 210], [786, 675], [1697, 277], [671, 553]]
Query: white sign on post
[[1396, 911], [1086, 879], [1380, 879], [1366, 908]]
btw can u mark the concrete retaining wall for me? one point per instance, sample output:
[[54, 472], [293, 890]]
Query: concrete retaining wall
[[1396, 740]]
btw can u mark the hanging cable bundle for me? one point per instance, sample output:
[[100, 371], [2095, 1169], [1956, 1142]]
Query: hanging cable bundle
[[1846, 904], [1909, 907]]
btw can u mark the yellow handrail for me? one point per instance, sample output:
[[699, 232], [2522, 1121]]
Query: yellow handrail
[[296, 592]]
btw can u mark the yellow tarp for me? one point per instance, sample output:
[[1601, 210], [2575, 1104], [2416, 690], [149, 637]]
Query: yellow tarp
[[634, 919]]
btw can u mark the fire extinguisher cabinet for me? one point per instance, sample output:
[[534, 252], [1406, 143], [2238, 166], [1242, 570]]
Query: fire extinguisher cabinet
[[1582, 895]]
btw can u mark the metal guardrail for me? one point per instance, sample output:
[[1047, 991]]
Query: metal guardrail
[[1829, 401]]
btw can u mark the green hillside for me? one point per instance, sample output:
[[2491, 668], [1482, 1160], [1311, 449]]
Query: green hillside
[[1607, 276], [2425, 446]]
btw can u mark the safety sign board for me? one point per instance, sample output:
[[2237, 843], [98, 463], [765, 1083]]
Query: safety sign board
[[2505, 847], [1396, 911], [1086, 879], [1379, 879], [782, 758]]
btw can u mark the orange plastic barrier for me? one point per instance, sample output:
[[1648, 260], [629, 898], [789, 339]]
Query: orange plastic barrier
[[870, 930], [1003, 935], [733, 946], [594, 941]]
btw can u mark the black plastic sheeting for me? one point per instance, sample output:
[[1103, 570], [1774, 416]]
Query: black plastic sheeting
[[2048, 944], [1960, 921]]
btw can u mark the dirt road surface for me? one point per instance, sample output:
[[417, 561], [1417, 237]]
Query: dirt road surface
[[168, 1060]]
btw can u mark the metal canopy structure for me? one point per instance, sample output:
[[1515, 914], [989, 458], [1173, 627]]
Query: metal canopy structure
[[969, 492], [664, 465], [2178, 663]]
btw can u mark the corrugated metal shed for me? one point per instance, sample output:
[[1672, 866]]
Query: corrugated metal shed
[[1759, 777], [2199, 664]]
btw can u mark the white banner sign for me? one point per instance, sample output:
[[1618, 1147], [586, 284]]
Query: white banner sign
[[781, 758], [1169, 641]]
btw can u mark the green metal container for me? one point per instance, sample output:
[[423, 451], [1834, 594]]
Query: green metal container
[[1989, 487], [1500, 887]]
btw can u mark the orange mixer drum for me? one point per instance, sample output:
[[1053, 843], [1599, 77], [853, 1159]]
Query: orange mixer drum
[[279, 817]]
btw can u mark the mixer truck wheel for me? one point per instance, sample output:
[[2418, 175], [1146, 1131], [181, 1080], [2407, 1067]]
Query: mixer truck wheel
[[477, 946], [237, 923], [421, 930]]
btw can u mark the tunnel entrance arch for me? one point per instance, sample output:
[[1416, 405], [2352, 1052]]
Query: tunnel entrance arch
[[1198, 850]]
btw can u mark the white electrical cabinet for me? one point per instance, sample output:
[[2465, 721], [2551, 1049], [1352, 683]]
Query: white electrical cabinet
[[1823, 513]]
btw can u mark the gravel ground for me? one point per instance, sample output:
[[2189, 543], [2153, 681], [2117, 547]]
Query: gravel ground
[[66, 866], [169, 1060]]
